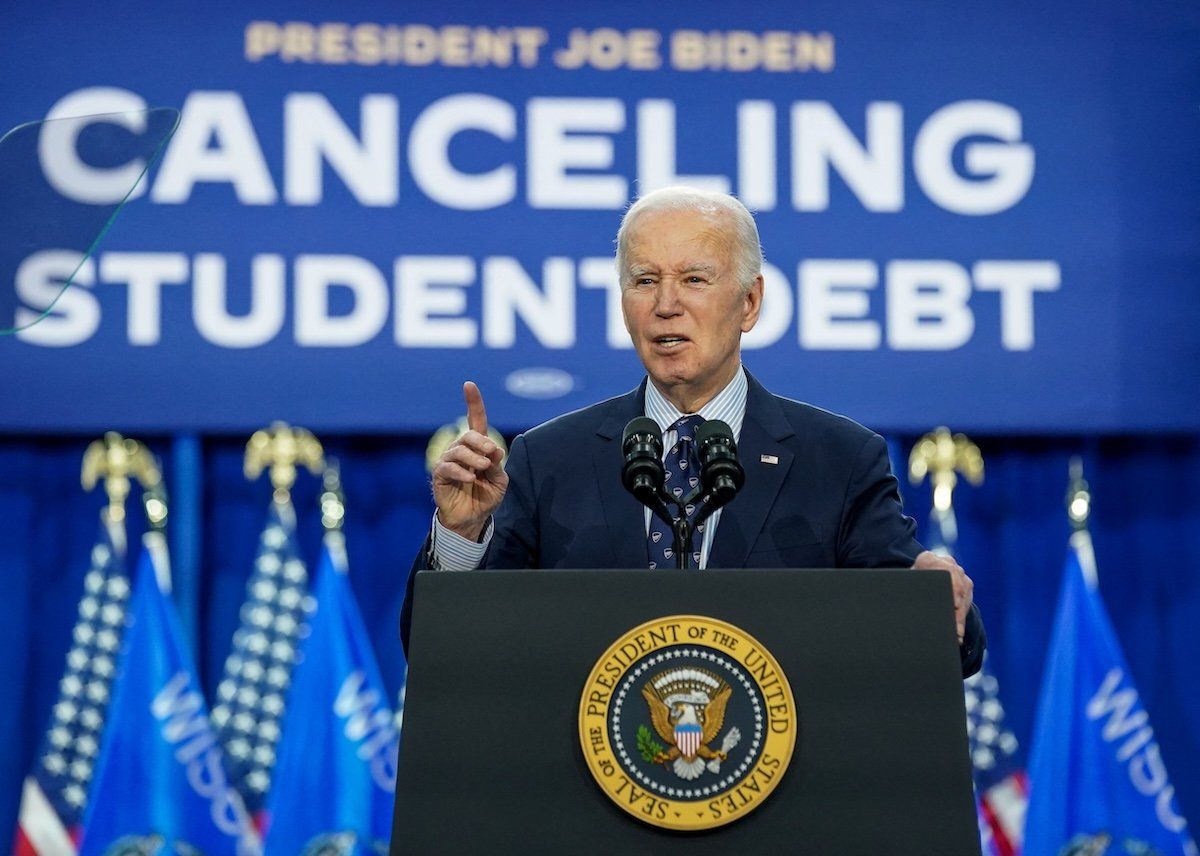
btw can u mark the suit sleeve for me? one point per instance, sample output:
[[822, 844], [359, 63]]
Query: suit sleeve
[[420, 563], [875, 533]]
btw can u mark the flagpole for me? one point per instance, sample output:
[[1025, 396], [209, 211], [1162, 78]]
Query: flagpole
[[1079, 509], [1000, 783], [333, 514], [1097, 773], [253, 691], [154, 500], [943, 456], [55, 795], [113, 460]]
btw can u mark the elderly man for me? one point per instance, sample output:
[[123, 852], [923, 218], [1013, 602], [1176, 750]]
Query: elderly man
[[819, 491]]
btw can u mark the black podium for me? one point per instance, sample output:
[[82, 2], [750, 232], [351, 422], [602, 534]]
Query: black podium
[[490, 755]]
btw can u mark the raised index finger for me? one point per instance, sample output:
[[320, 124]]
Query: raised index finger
[[476, 413]]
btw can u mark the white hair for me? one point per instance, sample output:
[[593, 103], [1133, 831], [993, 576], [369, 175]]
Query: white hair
[[747, 249]]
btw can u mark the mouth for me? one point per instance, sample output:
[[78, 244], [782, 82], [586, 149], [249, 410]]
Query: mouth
[[670, 342]]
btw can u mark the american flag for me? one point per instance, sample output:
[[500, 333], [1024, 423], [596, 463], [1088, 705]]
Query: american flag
[[253, 690], [1002, 790], [1000, 781], [55, 795]]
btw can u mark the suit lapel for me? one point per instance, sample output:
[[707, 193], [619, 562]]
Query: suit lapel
[[623, 515], [766, 461]]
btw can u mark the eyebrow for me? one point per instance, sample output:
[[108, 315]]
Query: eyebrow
[[695, 267]]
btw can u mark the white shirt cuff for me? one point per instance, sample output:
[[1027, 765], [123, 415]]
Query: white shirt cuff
[[453, 552]]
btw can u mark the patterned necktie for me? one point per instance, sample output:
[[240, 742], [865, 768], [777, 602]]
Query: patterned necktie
[[682, 475]]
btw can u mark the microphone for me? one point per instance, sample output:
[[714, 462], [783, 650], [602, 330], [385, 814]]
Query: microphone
[[720, 473], [642, 472]]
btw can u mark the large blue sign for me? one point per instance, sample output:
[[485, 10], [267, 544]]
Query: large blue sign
[[983, 217]]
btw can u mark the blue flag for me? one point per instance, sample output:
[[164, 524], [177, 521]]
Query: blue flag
[[339, 737], [1097, 779], [160, 785]]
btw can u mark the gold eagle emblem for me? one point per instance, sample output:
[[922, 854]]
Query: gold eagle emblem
[[687, 707]]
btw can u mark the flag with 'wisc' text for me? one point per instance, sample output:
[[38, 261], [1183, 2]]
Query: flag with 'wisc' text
[[160, 785], [1098, 782], [339, 736]]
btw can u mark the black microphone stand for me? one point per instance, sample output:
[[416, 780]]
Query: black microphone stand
[[642, 475], [721, 477], [681, 529]]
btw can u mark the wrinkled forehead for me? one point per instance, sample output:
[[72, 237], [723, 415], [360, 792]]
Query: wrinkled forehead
[[673, 237]]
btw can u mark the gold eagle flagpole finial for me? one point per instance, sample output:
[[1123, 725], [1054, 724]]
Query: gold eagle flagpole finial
[[943, 456], [280, 449], [114, 459]]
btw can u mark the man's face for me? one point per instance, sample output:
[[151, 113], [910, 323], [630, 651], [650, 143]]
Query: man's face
[[682, 304]]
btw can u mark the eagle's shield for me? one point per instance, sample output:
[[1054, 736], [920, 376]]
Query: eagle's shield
[[687, 738]]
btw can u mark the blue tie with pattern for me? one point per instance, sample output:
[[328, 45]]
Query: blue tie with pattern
[[682, 475]]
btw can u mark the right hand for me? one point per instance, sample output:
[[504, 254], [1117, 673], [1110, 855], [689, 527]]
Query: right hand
[[468, 481]]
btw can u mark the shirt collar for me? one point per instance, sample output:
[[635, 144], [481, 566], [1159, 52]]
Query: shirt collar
[[728, 405]]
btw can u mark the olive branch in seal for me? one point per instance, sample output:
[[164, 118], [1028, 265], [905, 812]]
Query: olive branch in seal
[[646, 744]]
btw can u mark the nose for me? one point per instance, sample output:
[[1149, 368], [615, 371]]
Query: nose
[[666, 299]]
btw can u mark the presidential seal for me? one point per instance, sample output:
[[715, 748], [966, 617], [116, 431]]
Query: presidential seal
[[687, 722]]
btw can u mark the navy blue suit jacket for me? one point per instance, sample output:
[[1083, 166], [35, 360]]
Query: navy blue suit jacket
[[819, 493]]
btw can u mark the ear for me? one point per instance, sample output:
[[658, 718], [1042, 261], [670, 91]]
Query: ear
[[752, 304]]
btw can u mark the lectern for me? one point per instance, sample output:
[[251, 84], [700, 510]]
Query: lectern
[[730, 711]]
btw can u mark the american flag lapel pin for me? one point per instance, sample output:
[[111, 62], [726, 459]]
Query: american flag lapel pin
[[769, 459]]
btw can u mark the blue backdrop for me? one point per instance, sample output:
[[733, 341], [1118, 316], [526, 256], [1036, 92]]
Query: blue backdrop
[[983, 217], [955, 203]]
